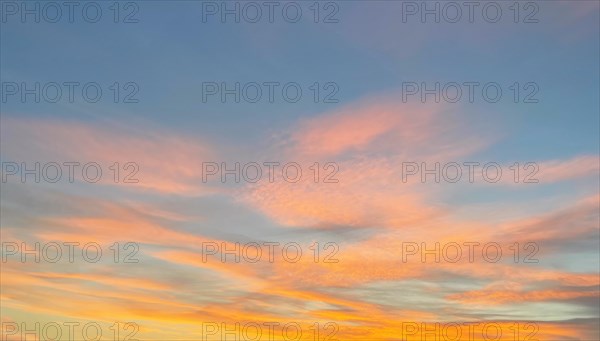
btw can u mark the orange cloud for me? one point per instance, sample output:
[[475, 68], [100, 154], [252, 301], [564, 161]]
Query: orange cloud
[[178, 170]]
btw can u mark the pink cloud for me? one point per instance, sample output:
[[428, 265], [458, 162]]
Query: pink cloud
[[168, 162]]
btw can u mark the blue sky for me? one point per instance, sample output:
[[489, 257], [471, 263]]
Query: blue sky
[[370, 55]]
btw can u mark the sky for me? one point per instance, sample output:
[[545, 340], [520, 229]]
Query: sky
[[331, 170]]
